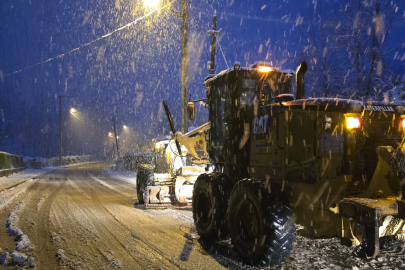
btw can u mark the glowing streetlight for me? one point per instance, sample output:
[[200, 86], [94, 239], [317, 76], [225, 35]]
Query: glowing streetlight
[[110, 134], [125, 126], [151, 3], [72, 110]]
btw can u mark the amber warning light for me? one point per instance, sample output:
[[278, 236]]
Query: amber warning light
[[353, 122], [264, 69], [403, 122]]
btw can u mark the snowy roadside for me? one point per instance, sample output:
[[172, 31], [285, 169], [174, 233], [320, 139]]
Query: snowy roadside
[[22, 176], [23, 244], [15, 184], [54, 161]]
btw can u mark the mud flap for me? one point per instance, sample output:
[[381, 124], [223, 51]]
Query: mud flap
[[370, 243]]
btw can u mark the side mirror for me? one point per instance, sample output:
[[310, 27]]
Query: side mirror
[[190, 111]]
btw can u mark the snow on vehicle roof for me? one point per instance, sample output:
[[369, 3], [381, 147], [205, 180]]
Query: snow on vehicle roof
[[213, 77]]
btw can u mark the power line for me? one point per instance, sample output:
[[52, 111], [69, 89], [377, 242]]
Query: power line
[[242, 16], [91, 42], [223, 55]]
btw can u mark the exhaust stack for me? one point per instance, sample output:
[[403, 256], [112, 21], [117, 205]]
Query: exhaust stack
[[300, 80]]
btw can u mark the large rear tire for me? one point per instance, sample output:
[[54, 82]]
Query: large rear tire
[[144, 178], [260, 224], [210, 204]]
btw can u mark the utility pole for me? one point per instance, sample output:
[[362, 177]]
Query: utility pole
[[184, 67], [60, 128], [116, 137], [213, 49], [184, 63], [213, 44]]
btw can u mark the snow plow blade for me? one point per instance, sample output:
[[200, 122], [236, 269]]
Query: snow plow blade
[[371, 210], [168, 192], [369, 214]]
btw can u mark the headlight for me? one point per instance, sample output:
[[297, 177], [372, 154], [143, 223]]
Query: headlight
[[264, 69], [354, 122]]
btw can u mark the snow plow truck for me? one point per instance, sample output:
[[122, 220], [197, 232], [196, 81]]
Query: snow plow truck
[[333, 166]]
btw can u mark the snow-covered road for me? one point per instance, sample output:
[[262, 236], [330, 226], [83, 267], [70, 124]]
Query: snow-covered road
[[80, 218], [83, 218]]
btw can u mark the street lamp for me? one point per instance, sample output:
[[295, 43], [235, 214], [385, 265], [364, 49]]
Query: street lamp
[[151, 3], [111, 135], [116, 137], [125, 127], [60, 127]]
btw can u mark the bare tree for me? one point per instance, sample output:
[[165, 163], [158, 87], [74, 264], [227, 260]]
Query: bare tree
[[363, 34]]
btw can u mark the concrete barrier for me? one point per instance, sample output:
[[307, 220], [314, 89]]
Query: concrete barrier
[[10, 164]]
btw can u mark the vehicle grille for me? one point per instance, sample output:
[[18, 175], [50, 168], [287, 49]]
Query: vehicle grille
[[378, 129]]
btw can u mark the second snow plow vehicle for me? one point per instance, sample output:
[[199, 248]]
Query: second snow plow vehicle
[[170, 179]]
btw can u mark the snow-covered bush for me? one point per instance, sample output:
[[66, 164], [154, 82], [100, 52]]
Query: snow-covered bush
[[54, 161]]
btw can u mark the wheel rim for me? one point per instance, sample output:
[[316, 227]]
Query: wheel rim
[[248, 224], [203, 208]]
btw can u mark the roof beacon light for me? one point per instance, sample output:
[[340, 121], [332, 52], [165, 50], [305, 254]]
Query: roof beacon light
[[403, 122], [353, 122], [264, 69]]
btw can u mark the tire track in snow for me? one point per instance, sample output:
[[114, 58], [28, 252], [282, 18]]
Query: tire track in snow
[[152, 250], [150, 245], [100, 221], [7, 195], [116, 190], [43, 241], [148, 252]]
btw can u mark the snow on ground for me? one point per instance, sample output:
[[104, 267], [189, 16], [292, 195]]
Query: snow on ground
[[101, 182], [23, 242], [13, 185], [54, 161], [11, 224], [10, 187], [123, 175], [13, 180]]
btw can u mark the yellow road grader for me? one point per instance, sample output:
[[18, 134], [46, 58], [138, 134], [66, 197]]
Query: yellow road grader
[[278, 159]]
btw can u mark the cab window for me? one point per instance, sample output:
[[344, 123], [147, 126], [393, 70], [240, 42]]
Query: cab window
[[248, 93]]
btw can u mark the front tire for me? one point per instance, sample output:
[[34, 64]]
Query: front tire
[[144, 178], [210, 204], [260, 224]]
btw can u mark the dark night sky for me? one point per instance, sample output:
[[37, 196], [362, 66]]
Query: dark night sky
[[130, 73]]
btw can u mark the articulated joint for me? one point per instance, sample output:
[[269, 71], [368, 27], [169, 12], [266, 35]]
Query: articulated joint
[[369, 214]]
